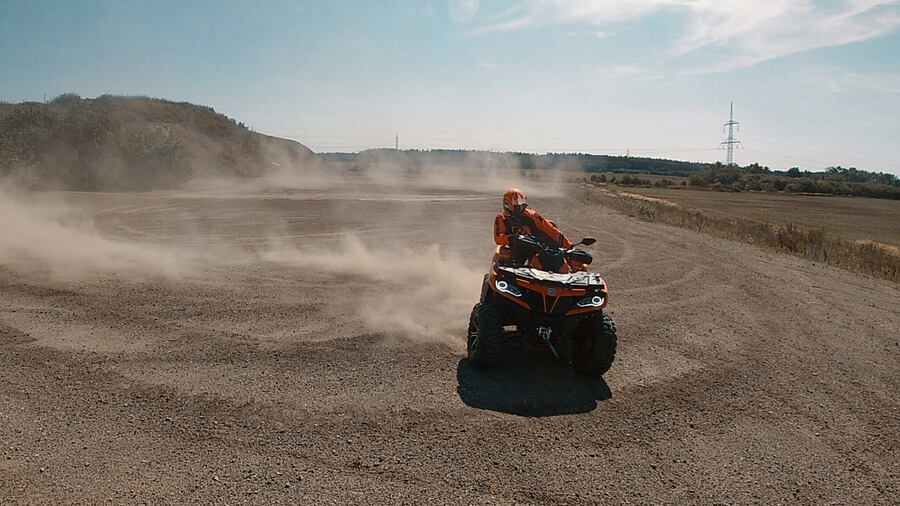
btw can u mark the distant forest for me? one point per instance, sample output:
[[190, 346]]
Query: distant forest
[[551, 161], [628, 171]]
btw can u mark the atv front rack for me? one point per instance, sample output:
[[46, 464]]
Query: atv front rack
[[580, 279]]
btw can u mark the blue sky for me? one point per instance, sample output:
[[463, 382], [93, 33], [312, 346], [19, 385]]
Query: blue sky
[[815, 83]]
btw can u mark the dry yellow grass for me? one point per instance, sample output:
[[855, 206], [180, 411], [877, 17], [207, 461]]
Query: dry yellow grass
[[862, 255], [851, 218]]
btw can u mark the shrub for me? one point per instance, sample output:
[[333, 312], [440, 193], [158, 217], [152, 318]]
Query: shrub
[[697, 179], [152, 157]]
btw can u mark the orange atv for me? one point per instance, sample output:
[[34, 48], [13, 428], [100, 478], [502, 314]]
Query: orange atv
[[544, 296]]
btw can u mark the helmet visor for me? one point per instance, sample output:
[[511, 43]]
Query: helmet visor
[[516, 205]]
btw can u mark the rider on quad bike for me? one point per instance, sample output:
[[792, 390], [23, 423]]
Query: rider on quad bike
[[517, 219], [539, 292]]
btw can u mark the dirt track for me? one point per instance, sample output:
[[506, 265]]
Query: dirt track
[[259, 354]]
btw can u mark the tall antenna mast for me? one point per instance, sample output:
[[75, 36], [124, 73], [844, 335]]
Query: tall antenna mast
[[729, 143], [397, 142]]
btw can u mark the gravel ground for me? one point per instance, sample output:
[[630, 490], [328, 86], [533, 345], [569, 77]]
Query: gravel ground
[[254, 344]]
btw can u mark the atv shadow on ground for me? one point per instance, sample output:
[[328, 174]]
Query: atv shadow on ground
[[529, 383]]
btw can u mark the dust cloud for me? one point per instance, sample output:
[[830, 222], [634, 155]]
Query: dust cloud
[[417, 292], [422, 291], [40, 233], [484, 172], [312, 174]]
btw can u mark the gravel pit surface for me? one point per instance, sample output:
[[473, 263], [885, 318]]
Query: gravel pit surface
[[245, 343]]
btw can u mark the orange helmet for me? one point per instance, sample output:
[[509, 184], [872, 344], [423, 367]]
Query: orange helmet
[[514, 201]]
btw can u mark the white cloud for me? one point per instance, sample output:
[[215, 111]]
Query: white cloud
[[753, 31], [591, 33], [784, 27], [840, 81], [619, 71], [596, 13], [463, 11]]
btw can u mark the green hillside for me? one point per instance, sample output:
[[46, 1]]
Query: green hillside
[[131, 143]]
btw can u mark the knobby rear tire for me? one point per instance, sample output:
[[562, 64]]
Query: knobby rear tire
[[484, 335]]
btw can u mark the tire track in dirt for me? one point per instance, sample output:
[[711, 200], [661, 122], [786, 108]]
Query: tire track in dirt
[[740, 376]]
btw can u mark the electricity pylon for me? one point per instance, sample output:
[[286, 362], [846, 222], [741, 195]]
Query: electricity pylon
[[729, 143]]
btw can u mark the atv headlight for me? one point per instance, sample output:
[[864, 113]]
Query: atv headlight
[[505, 287], [595, 301]]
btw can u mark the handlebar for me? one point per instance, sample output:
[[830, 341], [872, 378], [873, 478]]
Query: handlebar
[[533, 242], [526, 246]]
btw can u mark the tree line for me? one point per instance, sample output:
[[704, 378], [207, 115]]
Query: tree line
[[833, 181], [628, 171]]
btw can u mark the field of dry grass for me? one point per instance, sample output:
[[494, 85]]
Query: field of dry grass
[[852, 233], [849, 218]]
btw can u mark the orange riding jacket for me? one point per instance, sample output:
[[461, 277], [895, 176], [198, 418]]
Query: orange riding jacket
[[531, 223]]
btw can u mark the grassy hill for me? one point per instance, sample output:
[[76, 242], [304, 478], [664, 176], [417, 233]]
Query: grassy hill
[[131, 143]]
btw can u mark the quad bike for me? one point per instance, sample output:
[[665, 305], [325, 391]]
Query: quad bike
[[543, 297]]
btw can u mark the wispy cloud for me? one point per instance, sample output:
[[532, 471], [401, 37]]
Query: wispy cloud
[[638, 72], [463, 11], [591, 33], [839, 81], [619, 72], [775, 28], [595, 13], [752, 32]]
